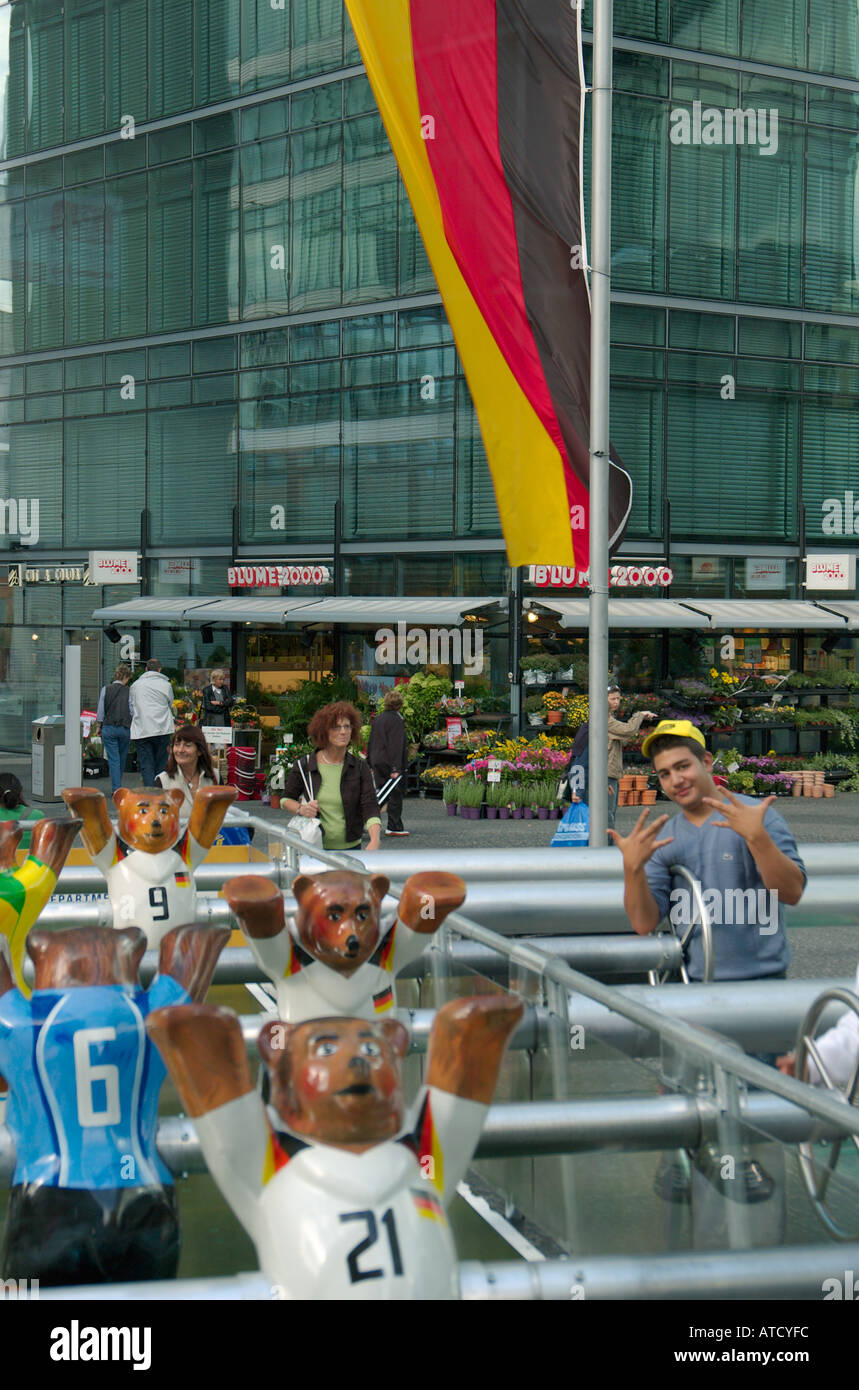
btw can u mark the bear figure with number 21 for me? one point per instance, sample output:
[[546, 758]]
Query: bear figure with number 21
[[341, 1198]]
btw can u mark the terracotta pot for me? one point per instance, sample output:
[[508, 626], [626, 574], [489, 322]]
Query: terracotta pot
[[828, 789], [554, 716], [817, 792], [796, 788], [640, 783], [275, 801], [648, 797], [819, 777]]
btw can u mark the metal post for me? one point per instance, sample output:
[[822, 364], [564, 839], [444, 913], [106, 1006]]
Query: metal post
[[72, 713], [599, 412]]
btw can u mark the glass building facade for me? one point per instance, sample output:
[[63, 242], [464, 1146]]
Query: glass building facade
[[216, 312]]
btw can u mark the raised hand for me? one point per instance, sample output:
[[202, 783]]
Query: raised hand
[[747, 821], [641, 842]]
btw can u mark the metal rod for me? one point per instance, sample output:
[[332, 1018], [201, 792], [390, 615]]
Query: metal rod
[[748, 1274], [600, 375], [640, 1124]]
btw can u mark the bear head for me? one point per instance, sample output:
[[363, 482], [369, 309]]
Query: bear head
[[86, 956], [339, 917], [337, 1080], [148, 819]]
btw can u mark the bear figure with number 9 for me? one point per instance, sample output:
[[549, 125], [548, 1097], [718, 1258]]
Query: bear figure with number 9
[[149, 882], [340, 1197], [91, 1200]]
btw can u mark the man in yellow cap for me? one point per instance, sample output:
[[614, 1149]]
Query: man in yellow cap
[[743, 854], [739, 848]]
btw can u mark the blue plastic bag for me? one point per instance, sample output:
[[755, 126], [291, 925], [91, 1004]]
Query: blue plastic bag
[[574, 828]]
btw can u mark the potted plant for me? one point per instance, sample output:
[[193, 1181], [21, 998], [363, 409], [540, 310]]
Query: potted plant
[[535, 709], [556, 706], [449, 796], [505, 790], [516, 806]]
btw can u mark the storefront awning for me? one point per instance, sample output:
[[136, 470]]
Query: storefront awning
[[849, 609], [368, 612], [787, 614], [650, 613]]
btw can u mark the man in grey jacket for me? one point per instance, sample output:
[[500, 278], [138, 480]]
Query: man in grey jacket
[[152, 724], [387, 754]]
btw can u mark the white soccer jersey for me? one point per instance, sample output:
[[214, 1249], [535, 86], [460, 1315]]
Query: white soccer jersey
[[155, 892], [308, 989], [336, 1225]]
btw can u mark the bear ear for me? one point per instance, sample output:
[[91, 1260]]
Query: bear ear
[[273, 1041], [303, 885], [119, 796], [396, 1035], [176, 796], [380, 885]]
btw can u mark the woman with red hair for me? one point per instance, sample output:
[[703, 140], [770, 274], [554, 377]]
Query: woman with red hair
[[341, 784]]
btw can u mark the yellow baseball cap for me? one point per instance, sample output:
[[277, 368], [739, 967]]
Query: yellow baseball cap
[[677, 728]]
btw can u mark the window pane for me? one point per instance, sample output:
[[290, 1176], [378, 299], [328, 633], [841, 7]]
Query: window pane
[[476, 508], [34, 471], [13, 289], [85, 264], [774, 33], [833, 37], [771, 219], [265, 228], [170, 23], [45, 271], [636, 431], [125, 255], [830, 450], [317, 36], [45, 53], [832, 222], [369, 227], [216, 50], [125, 61], [315, 258], [703, 195], [170, 247], [13, 60], [216, 262], [639, 194], [84, 68], [196, 506], [265, 44], [712, 27], [114, 449], [398, 462]]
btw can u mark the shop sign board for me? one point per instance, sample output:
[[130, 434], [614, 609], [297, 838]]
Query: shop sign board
[[765, 574], [834, 572], [177, 571], [706, 567], [620, 577], [113, 567], [276, 576]]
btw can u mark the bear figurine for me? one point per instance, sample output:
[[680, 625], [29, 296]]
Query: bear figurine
[[340, 1198], [24, 891], [149, 882], [91, 1200], [338, 959]]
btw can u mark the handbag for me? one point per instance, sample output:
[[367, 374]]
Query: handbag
[[309, 828], [573, 828]]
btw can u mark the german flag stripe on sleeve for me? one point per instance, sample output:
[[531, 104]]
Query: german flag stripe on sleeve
[[274, 1160], [383, 1001]]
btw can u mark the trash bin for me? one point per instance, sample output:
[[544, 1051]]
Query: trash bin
[[49, 756]]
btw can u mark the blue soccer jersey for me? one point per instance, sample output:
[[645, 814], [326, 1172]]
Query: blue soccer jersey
[[84, 1084]]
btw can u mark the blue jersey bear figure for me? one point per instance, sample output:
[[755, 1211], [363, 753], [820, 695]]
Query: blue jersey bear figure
[[91, 1200]]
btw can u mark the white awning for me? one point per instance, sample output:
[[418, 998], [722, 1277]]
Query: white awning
[[793, 614], [368, 612], [849, 609], [650, 613]]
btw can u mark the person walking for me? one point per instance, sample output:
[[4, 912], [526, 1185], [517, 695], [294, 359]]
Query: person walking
[[114, 714], [619, 734], [387, 754], [152, 721], [344, 797], [217, 701]]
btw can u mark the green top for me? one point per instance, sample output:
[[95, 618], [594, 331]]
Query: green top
[[22, 813], [331, 809]]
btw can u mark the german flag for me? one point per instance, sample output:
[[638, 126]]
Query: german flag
[[384, 1001], [483, 105], [429, 1206]]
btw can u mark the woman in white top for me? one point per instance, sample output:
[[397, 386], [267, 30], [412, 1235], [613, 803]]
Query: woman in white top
[[189, 765]]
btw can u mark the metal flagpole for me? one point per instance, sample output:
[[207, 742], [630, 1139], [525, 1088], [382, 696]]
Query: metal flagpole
[[599, 411]]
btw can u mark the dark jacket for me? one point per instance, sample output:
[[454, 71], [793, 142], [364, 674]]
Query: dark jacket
[[389, 743], [357, 792], [216, 713], [117, 705]]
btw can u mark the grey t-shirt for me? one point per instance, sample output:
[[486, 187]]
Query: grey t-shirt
[[749, 937]]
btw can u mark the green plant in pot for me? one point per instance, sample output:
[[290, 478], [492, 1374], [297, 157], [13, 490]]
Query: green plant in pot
[[449, 796]]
